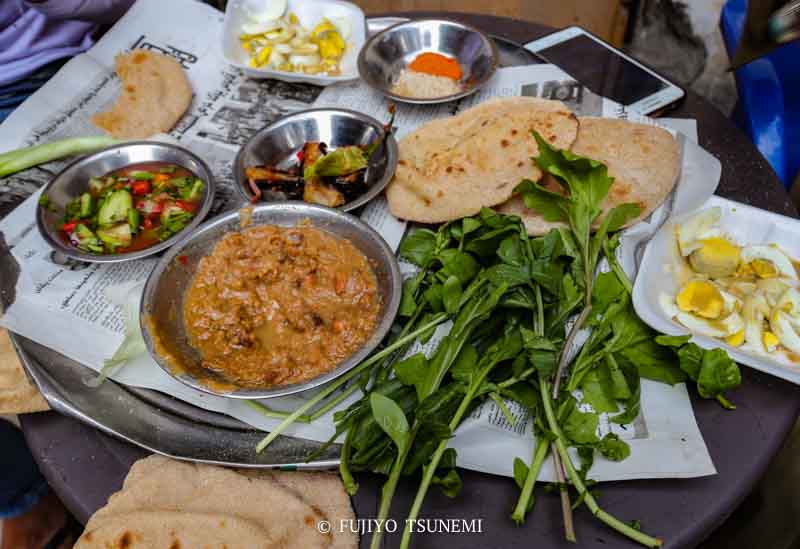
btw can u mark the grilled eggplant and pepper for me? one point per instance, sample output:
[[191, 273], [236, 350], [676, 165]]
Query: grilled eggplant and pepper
[[329, 178]]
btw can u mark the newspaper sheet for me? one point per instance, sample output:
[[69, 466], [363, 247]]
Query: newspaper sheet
[[80, 310]]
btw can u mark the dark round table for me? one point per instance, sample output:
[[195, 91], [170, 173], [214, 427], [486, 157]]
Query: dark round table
[[85, 467]]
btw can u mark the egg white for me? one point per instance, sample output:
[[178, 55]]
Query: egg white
[[772, 254]]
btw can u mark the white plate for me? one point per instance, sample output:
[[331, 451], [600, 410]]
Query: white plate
[[747, 225], [309, 12]]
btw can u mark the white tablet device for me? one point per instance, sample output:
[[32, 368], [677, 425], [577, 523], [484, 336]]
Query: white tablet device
[[611, 73]]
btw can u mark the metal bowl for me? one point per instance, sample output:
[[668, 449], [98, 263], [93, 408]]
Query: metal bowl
[[279, 143], [390, 51], [161, 309], [73, 180]]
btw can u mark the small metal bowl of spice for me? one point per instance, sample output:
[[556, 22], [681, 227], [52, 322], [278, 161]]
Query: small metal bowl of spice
[[428, 61]]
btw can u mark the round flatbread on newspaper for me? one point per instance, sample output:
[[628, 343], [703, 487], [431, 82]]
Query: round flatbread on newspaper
[[452, 167], [644, 161], [164, 501], [155, 93]]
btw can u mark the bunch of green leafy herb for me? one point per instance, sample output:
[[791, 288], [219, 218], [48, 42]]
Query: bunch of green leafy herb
[[509, 297]]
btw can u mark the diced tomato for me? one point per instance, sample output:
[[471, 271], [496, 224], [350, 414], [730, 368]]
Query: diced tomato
[[69, 226], [140, 187], [147, 223], [186, 206], [183, 259]]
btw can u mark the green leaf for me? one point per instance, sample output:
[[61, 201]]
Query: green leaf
[[673, 341], [653, 362], [523, 393], [548, 204], [470, 224], [619, 215], [511, 251], [466, 365], [690, 357], [411, 371], [460, 264], [450, 483], [607, 290], [511, 275], [451, 294], [579, 427], [390, 418], [408, 303], [598, 390], [613, 448], [418, 247], [434, 296], [718, 373], [520, 472]]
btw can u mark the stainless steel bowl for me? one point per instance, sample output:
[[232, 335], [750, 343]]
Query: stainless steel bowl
[[387, 53], [279, 143], [73, 180], [161, 310]]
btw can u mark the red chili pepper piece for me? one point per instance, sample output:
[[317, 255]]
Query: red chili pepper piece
[[186, 206], [183, 259], [140, 187], [69, 226]]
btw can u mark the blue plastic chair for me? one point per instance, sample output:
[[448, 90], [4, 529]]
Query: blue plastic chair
[[769, 96]]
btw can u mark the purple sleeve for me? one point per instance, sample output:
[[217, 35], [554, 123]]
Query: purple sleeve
[[97, 11]]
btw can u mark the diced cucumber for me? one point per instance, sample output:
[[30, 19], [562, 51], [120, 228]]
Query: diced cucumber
[[115, 208], [141, 175], [193, 193], [134, 218], [86, 205], [87, 240], [117, 236]]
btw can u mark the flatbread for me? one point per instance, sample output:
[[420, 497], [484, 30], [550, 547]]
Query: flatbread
[[155, 93], [282, 511], [175, 530], [17, 394], [644, 161], [452, 167]]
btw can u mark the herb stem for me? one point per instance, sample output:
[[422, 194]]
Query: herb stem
[[563, 490], [387, 492], [344, 470], [540, 449], [332, 403], [563, 359], [588, 499], [266, 411], [324, 393]]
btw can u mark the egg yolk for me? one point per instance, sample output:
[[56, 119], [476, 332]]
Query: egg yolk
[[770, 340], [764, 268], [736, 339], [716, 257], [701, 298]]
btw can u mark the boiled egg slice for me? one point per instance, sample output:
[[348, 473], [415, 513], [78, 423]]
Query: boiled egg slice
[[703, 225], [263, 11], [781, 325], [720, 328], [769, 262], [754, 311]]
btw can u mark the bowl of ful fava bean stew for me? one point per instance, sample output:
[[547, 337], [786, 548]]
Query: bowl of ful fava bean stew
[[125, 202], [270, 300]]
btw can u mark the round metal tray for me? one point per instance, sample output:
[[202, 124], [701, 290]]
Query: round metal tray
[[165, 425]]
